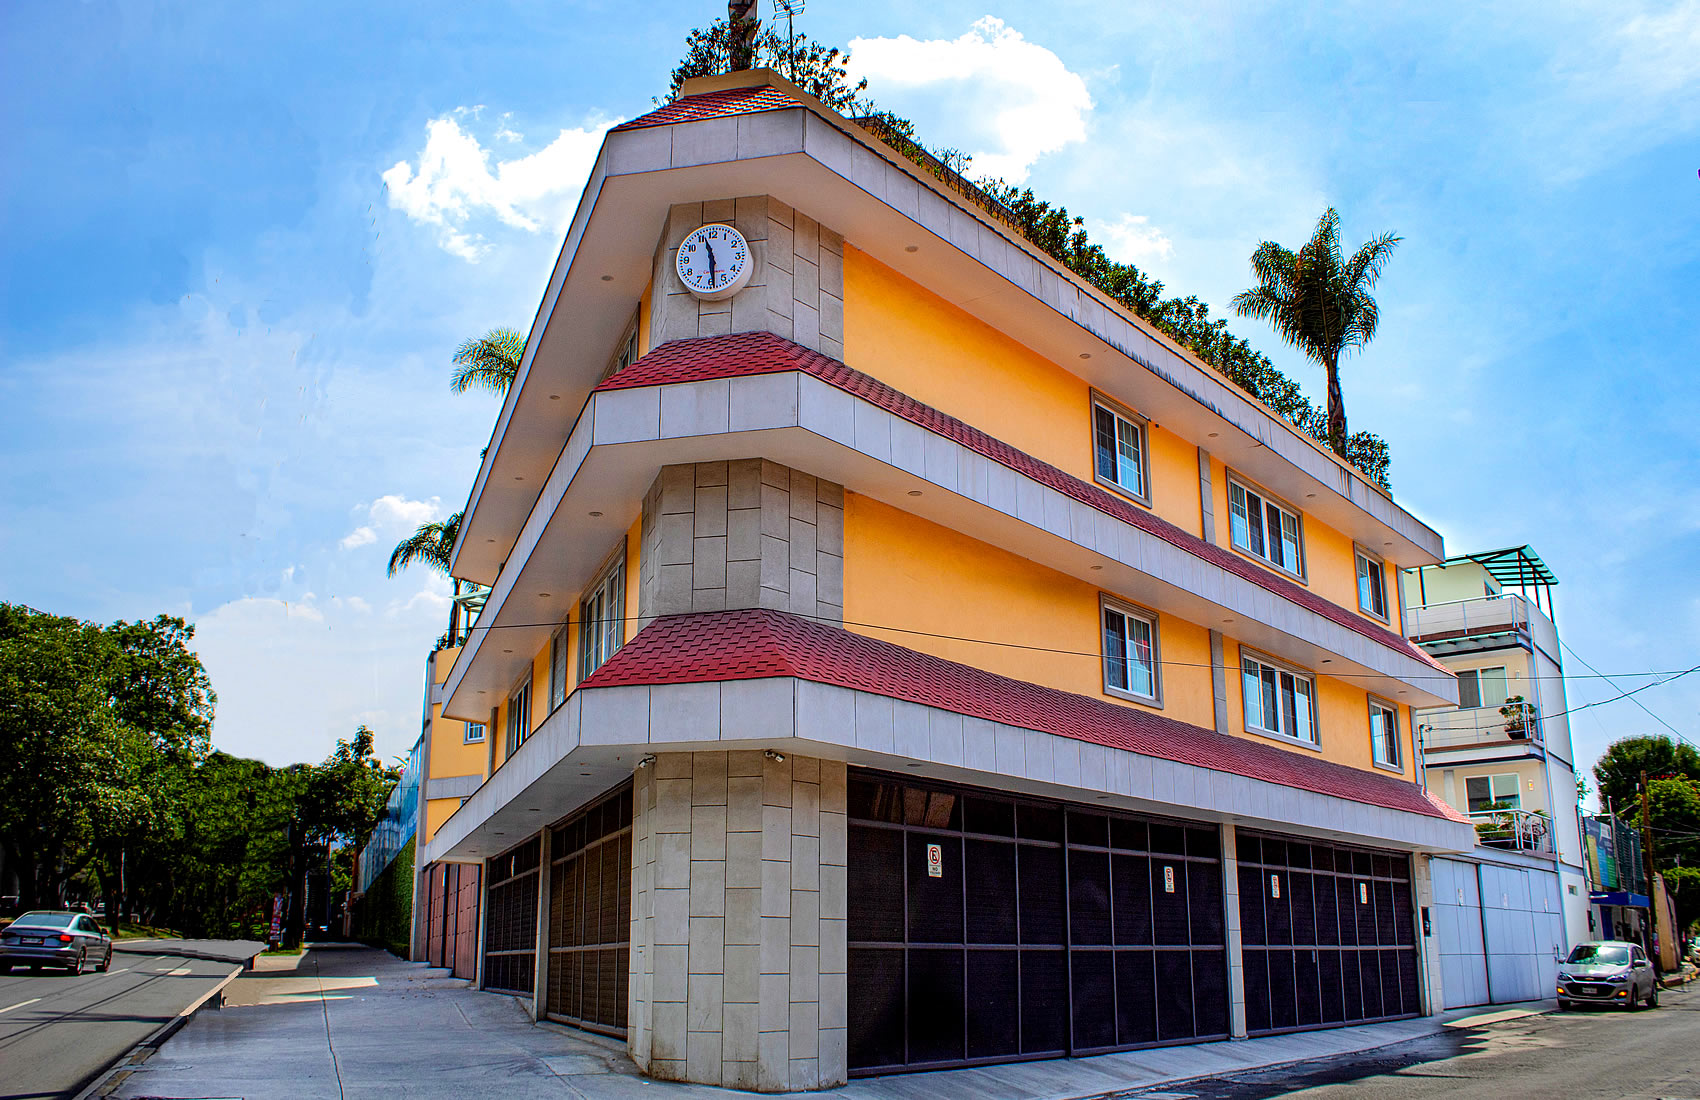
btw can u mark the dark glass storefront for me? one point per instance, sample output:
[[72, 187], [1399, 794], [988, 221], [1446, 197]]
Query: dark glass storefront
[[510, 919], [986, 928], [1328, 934], [590, 911]]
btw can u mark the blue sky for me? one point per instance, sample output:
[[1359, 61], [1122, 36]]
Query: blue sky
[[240, 245]]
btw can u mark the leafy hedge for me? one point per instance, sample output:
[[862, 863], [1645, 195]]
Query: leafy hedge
[[383, 917]]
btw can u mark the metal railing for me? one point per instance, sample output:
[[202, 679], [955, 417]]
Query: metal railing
[[1506, 612], [1519, 830], [1459, 727]]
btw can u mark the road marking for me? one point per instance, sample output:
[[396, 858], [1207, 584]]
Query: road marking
[[20, 1004]]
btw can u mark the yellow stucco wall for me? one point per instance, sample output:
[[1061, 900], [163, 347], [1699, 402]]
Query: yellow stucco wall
[[905, 572], [437, 811]]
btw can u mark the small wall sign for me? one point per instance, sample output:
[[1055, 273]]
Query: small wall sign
[[1275, 886], [1168, 880], [1363, 893], [935, 861]]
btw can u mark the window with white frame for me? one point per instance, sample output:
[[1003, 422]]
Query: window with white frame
[[1130, 652], [474, 733], [1118, 450], [602, 624], [1372, 585], [1489, 792], [519, 716], [557, 669], [1384, 733], [1265, 529], [1482, 687], [1278, 701]]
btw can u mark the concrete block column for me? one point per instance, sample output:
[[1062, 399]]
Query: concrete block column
[[1428, 947], [738, 921], [1231, 927]]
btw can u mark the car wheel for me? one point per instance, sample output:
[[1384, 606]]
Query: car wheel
[[106, 962], [1653, 996], [77, 967], [1564, 1006]]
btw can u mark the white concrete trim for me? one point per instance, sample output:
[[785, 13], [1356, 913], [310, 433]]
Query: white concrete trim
[[865, 728]]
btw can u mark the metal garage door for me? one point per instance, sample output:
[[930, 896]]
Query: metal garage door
[[984, 928], [1499, 928], [510, 919], [590, 914], [1329, 934], [1457, 918]]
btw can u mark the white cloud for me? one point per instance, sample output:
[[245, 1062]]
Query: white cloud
[[458, 182], [360, 536], [1020, 95], [1133, 239], [393, 514]]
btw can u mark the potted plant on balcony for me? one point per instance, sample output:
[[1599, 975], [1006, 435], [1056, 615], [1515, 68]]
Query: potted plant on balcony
[[1499, 829], [1517, 718]]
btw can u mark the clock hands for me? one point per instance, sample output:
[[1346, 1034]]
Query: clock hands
[[711, 264]]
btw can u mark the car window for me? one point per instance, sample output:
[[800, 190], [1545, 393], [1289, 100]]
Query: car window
[[1639, 957], [87, 924], [1599, 954], [45, 920]]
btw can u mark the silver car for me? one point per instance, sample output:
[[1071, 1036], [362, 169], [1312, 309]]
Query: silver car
[[42, 938], [1607, 972]]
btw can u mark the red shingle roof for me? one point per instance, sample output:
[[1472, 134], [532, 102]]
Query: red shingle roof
[[718, 104], [757, 644], [751, 353]]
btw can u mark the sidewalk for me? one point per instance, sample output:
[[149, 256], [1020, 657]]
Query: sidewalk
[[359, 1023]]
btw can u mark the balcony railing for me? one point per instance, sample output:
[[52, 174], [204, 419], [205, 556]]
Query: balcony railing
[[1519, 830], [1506, 613], [1460, 727]]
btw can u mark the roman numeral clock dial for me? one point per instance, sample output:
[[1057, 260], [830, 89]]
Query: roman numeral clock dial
[[714, 262]]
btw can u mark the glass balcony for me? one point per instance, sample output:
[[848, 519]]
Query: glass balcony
[[1451, 627]]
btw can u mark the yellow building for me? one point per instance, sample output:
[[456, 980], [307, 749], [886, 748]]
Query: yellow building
[[899, 655]]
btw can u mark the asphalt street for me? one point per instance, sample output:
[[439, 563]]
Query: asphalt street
[[1579, 1054], [58, 1031]]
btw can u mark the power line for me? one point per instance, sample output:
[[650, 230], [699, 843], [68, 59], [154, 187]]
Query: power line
[[1670, 674], [1638, 702]]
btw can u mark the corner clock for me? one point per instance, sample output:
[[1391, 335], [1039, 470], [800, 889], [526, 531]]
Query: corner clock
[[714, 262]]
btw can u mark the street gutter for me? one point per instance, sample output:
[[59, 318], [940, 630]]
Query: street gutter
[[105, 1080]]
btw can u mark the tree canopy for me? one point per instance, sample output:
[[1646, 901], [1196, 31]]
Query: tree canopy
[[1618, 772]]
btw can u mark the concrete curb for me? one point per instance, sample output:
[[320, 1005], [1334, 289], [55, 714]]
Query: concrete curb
[[139, 1053], [1492, 1017], [144, 947]]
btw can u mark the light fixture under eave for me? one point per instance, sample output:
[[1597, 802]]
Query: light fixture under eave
[[554, 397], [914, 492], [911, 248], [1213, 435], [607, 278], [596, 515], [1086, 355], [776, 757], [646, 761], [543, 595], [1095, 568], [1310, 496]]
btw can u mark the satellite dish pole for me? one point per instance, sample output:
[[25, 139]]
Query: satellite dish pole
[[742, 22]]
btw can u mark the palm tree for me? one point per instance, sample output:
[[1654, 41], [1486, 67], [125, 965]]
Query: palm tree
[[1319, 302], [490, 362], [433, 544]]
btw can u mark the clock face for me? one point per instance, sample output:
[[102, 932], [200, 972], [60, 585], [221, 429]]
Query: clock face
[[714, 262]]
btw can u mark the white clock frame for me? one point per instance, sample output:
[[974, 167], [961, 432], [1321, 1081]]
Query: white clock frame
[[741, 275]]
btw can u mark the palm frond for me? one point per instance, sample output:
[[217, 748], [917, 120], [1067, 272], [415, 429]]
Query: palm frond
[[490, 362], [433, 544]]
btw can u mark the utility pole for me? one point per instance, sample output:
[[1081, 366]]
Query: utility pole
[[1647, 855]]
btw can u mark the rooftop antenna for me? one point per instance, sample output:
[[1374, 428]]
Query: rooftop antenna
[[790, 9], [742, 19]]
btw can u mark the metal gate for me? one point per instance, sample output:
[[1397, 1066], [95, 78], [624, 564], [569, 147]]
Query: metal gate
[[451, 920], [984, 928], [1328, 932], [590, 913], [1500, 929], [510, 919]]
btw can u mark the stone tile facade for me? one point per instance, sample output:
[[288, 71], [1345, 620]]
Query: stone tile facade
[[796, 288], [738, 920], [719, 536]]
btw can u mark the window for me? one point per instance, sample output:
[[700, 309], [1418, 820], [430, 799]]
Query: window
[[1278, 701], [557, 669], [1372, 582], [1130, 652], [1485, 791], [1118, 450], [1264, 529], [1384, 733], [474, 733], [519, 716], [625, 352], [1482, 687], [602, 623]]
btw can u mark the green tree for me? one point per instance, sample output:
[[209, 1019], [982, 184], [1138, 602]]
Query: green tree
[[1319, 302], [1684, 886], [819, 70], [488, 362], [1618, 772], [433, 545], [336, 806]]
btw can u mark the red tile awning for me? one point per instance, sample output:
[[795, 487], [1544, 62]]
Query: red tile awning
[[759, 644], [746, 354], [717, 104]]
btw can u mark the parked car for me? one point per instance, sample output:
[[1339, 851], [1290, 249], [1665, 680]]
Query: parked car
[[1607, 972], [41, 938]]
